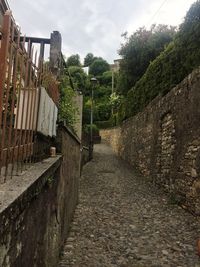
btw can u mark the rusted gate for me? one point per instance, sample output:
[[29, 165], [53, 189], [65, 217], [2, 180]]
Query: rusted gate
[[22, 73]]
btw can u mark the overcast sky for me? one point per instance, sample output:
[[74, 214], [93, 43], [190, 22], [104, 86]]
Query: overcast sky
[[94, 25]]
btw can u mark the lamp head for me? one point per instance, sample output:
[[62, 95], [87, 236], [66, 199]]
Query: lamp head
[[93, 80]]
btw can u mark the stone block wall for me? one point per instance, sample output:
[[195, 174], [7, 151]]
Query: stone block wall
[[113, 137], [163, 141], [37, 207]]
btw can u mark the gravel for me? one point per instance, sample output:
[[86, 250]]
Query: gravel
[[123, 220]]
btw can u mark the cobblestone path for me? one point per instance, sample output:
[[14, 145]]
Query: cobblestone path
[[121, 220]]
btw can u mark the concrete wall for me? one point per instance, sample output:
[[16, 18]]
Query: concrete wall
[[36, 208], [163, 141]]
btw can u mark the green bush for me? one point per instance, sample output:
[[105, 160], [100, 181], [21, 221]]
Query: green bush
[[67, 110], [106, 124], [87, 127]]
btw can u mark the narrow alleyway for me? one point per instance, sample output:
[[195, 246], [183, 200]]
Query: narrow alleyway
[[122, 220]]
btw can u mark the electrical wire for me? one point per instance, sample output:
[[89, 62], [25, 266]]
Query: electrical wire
[[157, 11]]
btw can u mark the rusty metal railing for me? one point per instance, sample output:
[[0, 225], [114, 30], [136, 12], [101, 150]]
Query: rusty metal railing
[[22, 73], [4, 6]]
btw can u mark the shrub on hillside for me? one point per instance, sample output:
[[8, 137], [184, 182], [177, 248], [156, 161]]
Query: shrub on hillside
[[178, 60]]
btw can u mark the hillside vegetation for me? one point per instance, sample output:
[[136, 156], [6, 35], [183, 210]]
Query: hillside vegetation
[[143, 46], [179, 58]]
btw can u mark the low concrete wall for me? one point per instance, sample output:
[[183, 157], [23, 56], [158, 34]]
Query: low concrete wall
[[37, 207], [163, 141]]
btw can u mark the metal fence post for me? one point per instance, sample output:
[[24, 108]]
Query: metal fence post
[[3, 56]]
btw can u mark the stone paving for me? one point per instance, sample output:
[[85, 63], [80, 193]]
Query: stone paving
[[122, 220]]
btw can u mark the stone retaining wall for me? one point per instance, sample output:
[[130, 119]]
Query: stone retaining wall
[[163, 141], [36, 208], [112, 137]]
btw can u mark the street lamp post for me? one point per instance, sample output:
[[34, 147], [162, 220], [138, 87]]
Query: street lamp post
[[93, 82]]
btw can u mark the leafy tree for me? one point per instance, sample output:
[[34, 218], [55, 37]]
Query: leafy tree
[[78, 76], [104, 110], [138, 51], [73, 60], [98, 67], [88, 60], [178, 60], [87, 111], [106, 78], [102, 92], [102, 106]]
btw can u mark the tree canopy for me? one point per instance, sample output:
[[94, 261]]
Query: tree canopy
[[139, 50], [88, 60], [78, 76], [99, 66], [73, 60], [178, 60]]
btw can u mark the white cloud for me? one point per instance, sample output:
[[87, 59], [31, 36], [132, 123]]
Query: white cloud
[[171, 13], [93, 25]]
